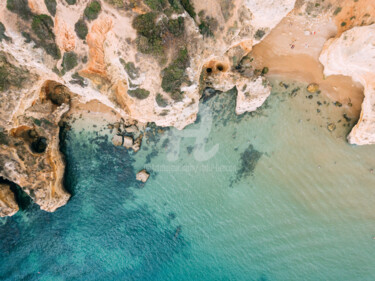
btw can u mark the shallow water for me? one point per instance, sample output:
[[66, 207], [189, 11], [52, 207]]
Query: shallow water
[[266, 196]]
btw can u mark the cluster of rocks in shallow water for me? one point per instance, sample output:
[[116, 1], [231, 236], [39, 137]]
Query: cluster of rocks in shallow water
[[127, 135]]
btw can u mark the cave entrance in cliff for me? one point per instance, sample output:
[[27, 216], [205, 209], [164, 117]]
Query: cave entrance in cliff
[[22, 198]]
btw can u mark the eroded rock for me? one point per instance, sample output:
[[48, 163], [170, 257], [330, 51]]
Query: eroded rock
[[8, 204], [353, 54], [142, 176]]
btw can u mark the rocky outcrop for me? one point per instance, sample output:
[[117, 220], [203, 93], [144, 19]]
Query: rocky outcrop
[[353, 54], [253, 95], [142, 176], [8, 204], [145, 62], [29, 148]]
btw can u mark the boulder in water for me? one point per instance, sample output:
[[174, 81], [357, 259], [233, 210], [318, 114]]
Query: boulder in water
[[142, 176]]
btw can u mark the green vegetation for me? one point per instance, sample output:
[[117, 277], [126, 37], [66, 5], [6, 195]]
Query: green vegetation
[[189, 8], [2, 33], [71, 2], [174, 75], [151, 33], [69, 61], [156, 5], [10, 75], [265, 70], [259, 34], [149, 40], [176, 26], [42, 25], [130, 69], [139, 93], [4, 138], [343, 23], [78, 79], [20, 7], [207, 25], [176, 6], [162, 102], [205, 30], [92, 10], [27, 36], [338, 10], [81, 29], [118, 4], [51, 6]]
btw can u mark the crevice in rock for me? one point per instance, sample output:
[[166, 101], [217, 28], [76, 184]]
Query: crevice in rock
[[22, 199]]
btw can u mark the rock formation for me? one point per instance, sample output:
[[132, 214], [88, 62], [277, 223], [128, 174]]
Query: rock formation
[[8, 204], [353, 54], [146, 61], [142, 176]]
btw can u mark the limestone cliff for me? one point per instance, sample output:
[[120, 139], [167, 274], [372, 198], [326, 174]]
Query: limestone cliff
[[353, 54], [146, 61], [8, 204]]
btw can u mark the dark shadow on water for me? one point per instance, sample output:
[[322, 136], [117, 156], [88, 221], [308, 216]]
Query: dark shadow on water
[[22, 198], [100, 234]]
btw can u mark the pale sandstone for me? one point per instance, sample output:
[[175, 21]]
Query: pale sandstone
[[255, 94], [128, 142], [142, 176], [243, 26], [117, 140], [353, 54], [8, 204]]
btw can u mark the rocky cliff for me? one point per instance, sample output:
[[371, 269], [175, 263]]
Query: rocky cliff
[[144, 60], [147, 60], [353, 54]]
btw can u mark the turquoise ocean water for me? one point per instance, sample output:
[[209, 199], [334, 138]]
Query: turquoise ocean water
[[271, 195]]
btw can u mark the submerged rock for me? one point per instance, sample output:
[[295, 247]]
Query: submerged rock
[[313, 88], [117, 140], [128, 142], [331, 127], [142, 176]]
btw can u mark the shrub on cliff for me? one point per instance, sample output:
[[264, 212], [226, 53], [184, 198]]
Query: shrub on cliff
[[157, 5], [150, 33], [81, 29], [69, 61], [118, 4], [10, 75], [92, 10], [162, 102], [71, 2], [139, 93], [2, 33], [42, 26], [51, 6], [189, 8], [176, 26], [174, 75], [20, 7]]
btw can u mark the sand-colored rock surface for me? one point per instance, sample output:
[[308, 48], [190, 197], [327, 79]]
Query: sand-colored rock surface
[[144, 62], [353, 54], [8, 204]]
